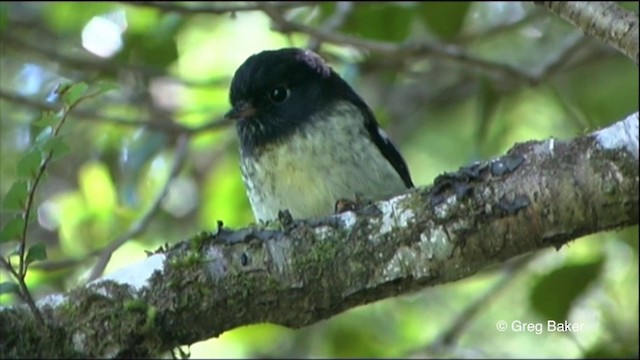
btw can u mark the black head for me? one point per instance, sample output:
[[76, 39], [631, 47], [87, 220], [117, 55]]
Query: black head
[[275, 92]]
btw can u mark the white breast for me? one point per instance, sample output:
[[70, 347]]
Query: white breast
[[308, 172]]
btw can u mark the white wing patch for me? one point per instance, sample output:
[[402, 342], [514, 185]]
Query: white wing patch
[[384, 135]]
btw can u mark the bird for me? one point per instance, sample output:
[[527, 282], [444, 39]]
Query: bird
[[307, 140]]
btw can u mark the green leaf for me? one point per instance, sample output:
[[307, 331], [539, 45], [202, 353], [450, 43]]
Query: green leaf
[[62, 88], [56, 146], [105, 86], [36, 252], [367, 21], [444, 18], [45, 134], [9, 287], [28, 165], [48, 119], [554, 294], [16, 197], [60, 149], [75, 93], [33, 216], [12, 229]]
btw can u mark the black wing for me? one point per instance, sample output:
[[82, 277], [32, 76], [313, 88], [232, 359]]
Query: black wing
[[384, 144], [387, 148]]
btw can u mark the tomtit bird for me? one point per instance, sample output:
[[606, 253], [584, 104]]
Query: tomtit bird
[[307, 140]]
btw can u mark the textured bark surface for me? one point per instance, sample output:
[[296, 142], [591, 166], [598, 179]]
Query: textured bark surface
[[604, 20], [540, 194]]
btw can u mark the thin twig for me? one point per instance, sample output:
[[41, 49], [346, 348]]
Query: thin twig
[[334, 22], [23, 292], [163, 124], [31, 196], [54, 265], [450, 336], [89, 62], [563, 58], [139, 227], [21, 273], [215, 154], [215, 8], [532, 16], [33, 187], [454, 331], [394, 50]]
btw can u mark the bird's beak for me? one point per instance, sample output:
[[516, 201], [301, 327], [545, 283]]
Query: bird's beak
[[241, 111]]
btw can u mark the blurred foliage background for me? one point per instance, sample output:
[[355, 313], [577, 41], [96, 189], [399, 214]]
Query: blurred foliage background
[[495, 73]]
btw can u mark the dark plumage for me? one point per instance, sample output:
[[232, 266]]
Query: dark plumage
[[306, 138], [313, 85]]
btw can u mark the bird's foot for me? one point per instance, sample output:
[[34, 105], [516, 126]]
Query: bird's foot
[[343, 205]]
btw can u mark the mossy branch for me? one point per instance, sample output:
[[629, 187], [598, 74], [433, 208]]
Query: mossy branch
[[604, 20], [540, 194]]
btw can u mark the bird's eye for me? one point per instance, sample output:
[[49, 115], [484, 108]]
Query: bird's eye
[[279, 94]]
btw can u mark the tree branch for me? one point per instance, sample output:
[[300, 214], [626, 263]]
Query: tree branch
[[395, 50], [540, 194], [335, 21], [160, 122], [604, 20], [213, 8]]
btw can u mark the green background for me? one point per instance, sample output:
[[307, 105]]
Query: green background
[[442, 112]]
